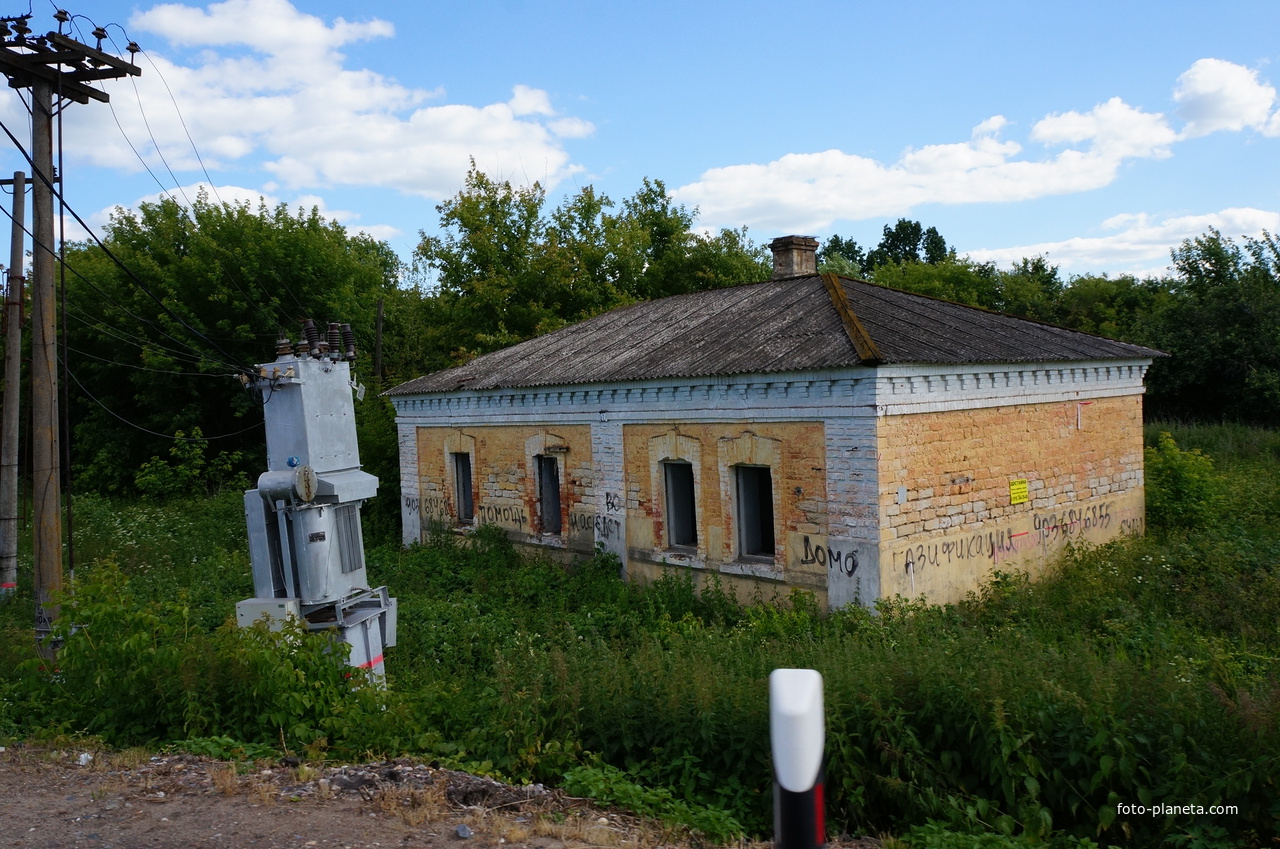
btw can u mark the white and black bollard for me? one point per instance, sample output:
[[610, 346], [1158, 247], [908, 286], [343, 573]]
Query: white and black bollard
[[797, 735]]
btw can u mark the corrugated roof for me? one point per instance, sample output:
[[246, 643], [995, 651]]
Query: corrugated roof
[[775, 326]]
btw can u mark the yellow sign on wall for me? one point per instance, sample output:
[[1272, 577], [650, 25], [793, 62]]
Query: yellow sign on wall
[[1018, 491]]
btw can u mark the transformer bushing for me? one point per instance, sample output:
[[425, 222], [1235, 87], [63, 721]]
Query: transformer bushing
[[305, 540]]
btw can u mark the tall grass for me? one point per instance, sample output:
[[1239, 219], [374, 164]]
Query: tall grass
[[1142, 672]]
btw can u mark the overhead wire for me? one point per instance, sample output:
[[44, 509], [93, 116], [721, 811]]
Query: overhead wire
[[93, 356], [164, 190], [196, 356], [177, 109], [120, 335], [88, 320], [227, 271], [137, 426], [142, 112], [64, 208], [231, 358]]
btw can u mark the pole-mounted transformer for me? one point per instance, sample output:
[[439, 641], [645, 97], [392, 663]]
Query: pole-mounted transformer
[[305, 540]]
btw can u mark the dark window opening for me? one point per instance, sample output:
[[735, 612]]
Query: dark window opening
[[549, 494], [463, 500], [682, 520], [755, 511]]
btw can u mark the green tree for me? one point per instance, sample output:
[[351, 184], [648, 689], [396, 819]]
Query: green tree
[[506, 270], [1221, 323], [907, 242], [1031, 289], [155, 350], [842, 256], [674, 258], [960, 280], [1108, 306]]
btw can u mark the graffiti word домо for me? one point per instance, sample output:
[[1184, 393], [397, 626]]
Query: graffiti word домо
[[835, 559]]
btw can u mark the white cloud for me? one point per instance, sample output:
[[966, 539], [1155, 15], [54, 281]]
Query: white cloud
[[1114, 130], [808, 191], [572, 128], [1216, 95], [1082, 151], [530, 101], [1137, 244], [269, 81]]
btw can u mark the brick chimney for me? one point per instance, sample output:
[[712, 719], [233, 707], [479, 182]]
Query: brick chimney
[[794, 256]]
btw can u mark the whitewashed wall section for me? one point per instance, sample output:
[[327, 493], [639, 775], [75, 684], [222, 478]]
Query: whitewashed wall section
[[851, 549], [410, 497]]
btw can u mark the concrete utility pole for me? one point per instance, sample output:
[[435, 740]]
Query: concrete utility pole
[[51, 65], [12, 394]]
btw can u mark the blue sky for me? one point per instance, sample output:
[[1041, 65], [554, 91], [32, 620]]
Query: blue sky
[[1100, 135]]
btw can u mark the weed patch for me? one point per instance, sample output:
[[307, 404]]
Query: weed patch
[[1140, 672]]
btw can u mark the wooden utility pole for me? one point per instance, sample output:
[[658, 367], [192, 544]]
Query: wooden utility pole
[[46, 459], [12, 395], [51, 65], [377, 348]]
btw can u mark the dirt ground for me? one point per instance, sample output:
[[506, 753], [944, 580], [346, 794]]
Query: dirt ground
[[57, 799]]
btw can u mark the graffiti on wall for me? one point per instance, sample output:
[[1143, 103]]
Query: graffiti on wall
[[836, 556], [995, 547], [850, 569], [605, 528], [507, 515], [435, 505], [430, 506]]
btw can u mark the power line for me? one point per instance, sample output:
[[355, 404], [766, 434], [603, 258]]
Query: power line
[[94, 322], [228, 272], [110, 255], [137, 426], [178, 110], [145, 368], [164, 190], [194, 148], [36, 242]]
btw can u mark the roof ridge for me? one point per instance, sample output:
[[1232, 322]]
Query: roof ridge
[[868, 353]]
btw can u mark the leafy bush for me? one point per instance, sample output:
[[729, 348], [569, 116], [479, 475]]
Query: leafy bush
[[1182, 489], [132, 671], [188, 472]]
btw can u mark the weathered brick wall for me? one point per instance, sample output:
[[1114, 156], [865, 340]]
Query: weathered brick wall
[[948, 520], [795, 452], [504, 480]]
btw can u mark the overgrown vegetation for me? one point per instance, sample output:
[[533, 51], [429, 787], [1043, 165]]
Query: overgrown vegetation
[[1143, 672]]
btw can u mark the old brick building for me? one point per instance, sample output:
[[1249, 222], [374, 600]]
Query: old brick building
[[809, 432]]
